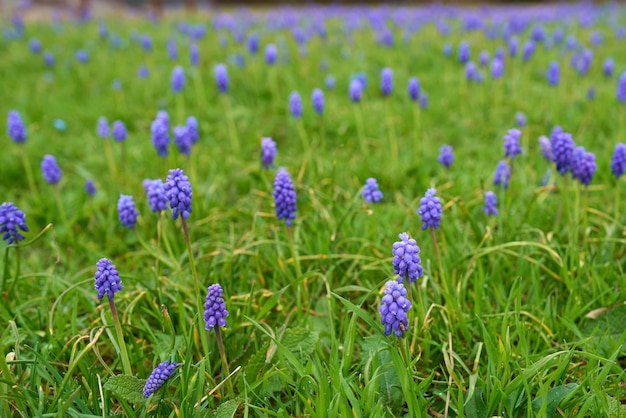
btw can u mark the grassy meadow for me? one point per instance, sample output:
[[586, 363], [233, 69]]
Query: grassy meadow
[[518, 314]]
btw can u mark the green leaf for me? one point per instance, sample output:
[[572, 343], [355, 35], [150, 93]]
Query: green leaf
[[163, 343], [476, 406], [612, 321], [227, 409], [256, 363], [553, 399], [301, 342], [127, 387]]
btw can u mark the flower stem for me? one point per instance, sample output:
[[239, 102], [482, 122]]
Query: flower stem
[[226, 372], [120, 339], [17, 270], [232, 131], [29, 171], [108, 152], [393, 141], [359, 127]]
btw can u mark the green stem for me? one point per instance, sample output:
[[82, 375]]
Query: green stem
[[110, 160], [358, 116], [232, 131], [120, 339], [442, 277], [226, 372], [393, 141], [617, 201], [17, 272], [416, 119], [157, 266], [29, 171]]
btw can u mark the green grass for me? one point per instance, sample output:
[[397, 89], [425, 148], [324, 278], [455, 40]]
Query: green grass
[[499, 329]]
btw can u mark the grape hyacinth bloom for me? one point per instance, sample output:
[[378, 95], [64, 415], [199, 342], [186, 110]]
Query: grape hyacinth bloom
[[529, 49], [356, 91], [502, 174], [618, 162], [497, 68], [178, 79], [621, 88], [330, 82], [119, 131], [553, 74], [562, 149], [143, 72], [103, 128], [178, 192], [406, 260], [221, 77], [317, 98], [490, 207], [268, 152], [172, 51], [447, 50], [107, 279], [583, 165], [414, 89], [158, 377], [215, 312], [82, 56], [156, 195], [48, 58], [50, 169], [386, 81], [546, 148], [182, 139], [513, 46], [160, 136], [271, 54], [430, 210], [511, 143], [146, 43], [35, 46], [295, 105], [520, 119], [608, 66], [470, 71], [464, 52], [371, 193], [253, 43], [284, 197], [90, 187], [194, 54], [12, 221], [15, 127], [424, 100], [446, 156], [127, 213], [192, 129], [591, 93], [394, 308], [483, 58]]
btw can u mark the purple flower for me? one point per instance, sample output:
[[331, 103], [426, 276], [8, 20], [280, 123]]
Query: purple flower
[[160, 135], [513, 46], [464, 52], [103, 128], [271, 54], [221, 77], [424, 100], [608, 67], [447, 50], [158, 377], [268, 152], [355, 91], [554, 74], [446, 156], [146, 43], [393, 309], [119, 131], [585, 62], [295, 105], [386, 81], [330, 82], [562, 149], [15, 127], [143, 72], [520, 119], [182, 139], [253, 43], [497, 68], [90, 187], [502, 174], [50, 169], [156, 195], [621, 88], [591, 93], [529, 49], [178, 79], [215, 312], [12, 220], [414, 89], [82, 56], [546, 148], [107, 279], [48, 58], [178, 191], [172, 51], [35, 46], [406, 260], [127, 214], [583, 165], [284, 197], [371, 193], [511, 143], [470, 71], [194, 54], [618, 162], [317, 98], [192, 129], [483, 58], [490, 204], [430, 210]]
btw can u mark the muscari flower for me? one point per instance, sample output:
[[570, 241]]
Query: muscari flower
[[546, 148], [464, 52], [127, 214], [160, 136], [470, 71], [520, 119], [194, 54], [529, 49], [90, 187], [386, 81], [393, 309], [215, 312], [513, 46], [15, 127], [192, 129], [107, 279], [146, 43], [103, 128], [621, 88], [12, 221], [502, 174], [221, 77], [447, 50], [330, 82], [423, 100], [158, 377], [490, 204], [50, 169], [430, 210], [35, 46], [371, 193], [271, 54], [356, 91], [583, 165], [406, 260], [253, 43], [178, 79], [295, 105], [48, 58], [511, 143], [553, 74], [608, 66], [268, 152], [497, 68], [119, 131], [618, 162], [178, 191], [483, 58], [143, 72], [284, 197], [446, 156], [82, 56], [172, 50], [317, 98], [182, 139], [156, 195], [562, 149], [414, 89]]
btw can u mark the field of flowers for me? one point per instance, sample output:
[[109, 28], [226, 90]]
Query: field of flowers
[[323, 212]]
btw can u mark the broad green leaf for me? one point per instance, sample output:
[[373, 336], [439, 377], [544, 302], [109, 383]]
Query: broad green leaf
[[476, 406], [127, 387], [227, 409], [301, 342], [553, 399]]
